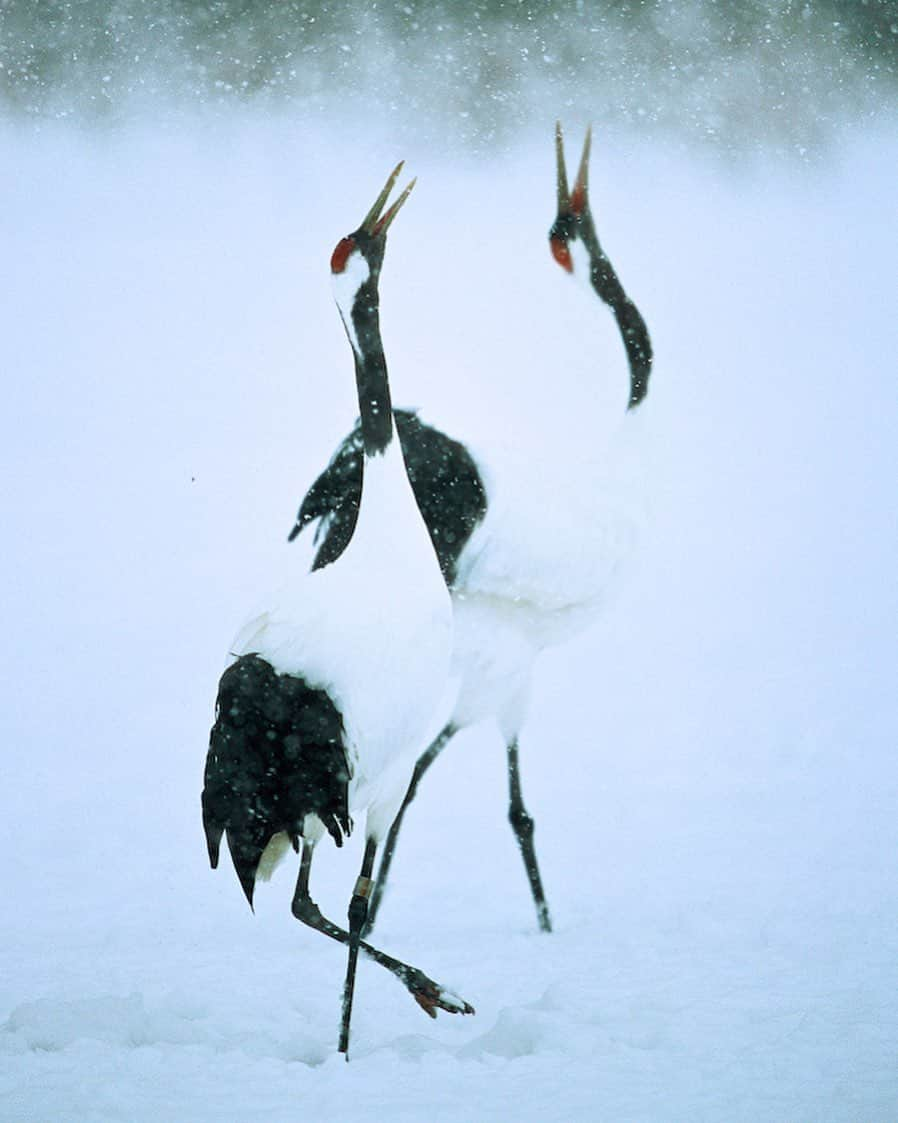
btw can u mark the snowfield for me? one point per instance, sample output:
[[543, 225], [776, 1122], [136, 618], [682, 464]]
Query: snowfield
[[712, 768]]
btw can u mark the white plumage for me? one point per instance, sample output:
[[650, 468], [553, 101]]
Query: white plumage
[[334, 684], [374, 630]]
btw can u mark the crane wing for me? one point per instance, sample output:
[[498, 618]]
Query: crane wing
[[444, 477]]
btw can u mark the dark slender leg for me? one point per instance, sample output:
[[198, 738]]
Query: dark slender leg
[[424, 762], [358, 910], [429, 995], [522, 825]]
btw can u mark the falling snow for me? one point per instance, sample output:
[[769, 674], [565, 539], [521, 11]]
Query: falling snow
[[711, 767]]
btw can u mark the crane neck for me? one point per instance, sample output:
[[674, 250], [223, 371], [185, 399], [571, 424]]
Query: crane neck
[[372, 384], [361, 318], [632, 327]]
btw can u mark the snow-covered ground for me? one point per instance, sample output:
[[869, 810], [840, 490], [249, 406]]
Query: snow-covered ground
[[712, 769]]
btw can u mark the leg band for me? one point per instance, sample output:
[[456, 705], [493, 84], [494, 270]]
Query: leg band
[[363, 887]]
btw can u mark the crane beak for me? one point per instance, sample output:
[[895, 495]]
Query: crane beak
[[376, 224], [564, 197], [576, 201]]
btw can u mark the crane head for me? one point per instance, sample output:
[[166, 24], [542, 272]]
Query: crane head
[[363, 249], [573, 223]]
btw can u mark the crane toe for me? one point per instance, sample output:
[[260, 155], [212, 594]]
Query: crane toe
[[431, 997]]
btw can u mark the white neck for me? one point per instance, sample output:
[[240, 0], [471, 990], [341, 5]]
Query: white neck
[[346, 287]]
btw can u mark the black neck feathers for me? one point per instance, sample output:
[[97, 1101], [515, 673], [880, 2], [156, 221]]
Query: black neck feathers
[[606, 283], [632, 326], [375, 406]]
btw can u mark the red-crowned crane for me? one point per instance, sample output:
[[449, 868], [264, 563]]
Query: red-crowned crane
[[322, 710], [513, 592]]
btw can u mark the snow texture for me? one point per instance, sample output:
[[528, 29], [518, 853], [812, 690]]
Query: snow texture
[[711, 766]]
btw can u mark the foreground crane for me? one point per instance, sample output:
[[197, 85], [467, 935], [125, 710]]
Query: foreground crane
[[332, 686]]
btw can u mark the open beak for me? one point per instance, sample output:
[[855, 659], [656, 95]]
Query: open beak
[[377, 224], [576, 201]]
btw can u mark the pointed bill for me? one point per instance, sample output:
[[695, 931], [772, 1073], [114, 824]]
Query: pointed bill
[[563, 194], [384, 224], [373, 223], [581, 185]]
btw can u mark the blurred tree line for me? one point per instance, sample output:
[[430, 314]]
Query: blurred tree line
[[761, 70]]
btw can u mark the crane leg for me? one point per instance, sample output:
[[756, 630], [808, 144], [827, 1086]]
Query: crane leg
[[358, 911], [429, 995], [425, 760], [522, 825]]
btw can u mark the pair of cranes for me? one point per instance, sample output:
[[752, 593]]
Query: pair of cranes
[[322, 709]]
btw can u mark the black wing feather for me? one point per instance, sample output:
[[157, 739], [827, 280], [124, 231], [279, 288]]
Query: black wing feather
[[276, 753], [444, 478]]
